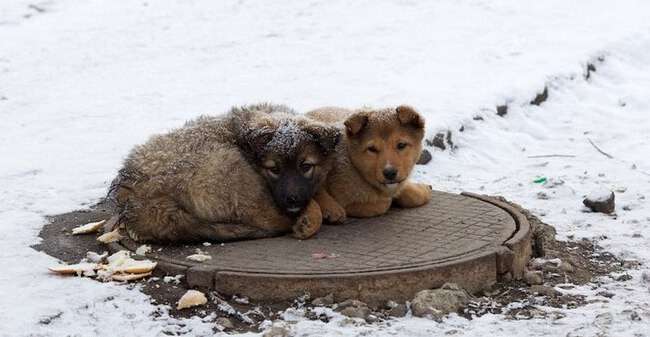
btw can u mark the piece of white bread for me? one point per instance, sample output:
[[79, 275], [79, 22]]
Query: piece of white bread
[[120, 267], [88, 228], [143, 250], [74, 268], [199, 257], [109, 237], [190, 299], [94, 257], [134, 267], [129, 277], [121, 262]]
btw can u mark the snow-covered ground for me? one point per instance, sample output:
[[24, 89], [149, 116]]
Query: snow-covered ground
[[83, 81]]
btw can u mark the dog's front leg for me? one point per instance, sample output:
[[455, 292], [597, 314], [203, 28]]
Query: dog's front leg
[[368, 209], [332, 211], [309, 222], [414, 195]]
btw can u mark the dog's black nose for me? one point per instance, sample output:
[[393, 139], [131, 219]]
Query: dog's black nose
[[390, 173], [292, 199]]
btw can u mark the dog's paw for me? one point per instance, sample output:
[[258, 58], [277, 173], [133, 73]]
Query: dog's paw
[[309, 222], [334, 214], [423, 194], [306, 227], [426, 190], [415, 195]]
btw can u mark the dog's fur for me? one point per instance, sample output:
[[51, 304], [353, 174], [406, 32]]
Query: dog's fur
[[247, 174], [373, 162]]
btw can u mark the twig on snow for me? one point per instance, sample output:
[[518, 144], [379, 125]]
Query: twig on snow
[[37, 8], [599, 150]]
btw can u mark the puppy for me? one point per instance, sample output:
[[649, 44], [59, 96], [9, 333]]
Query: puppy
[[248, 174], [373, 162]]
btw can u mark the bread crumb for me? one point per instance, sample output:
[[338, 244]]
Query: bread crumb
[[88, 228], [78, 268], [143, 250], [110, 237], [94, 257], [129, 277], [199, 257], [190, 299]]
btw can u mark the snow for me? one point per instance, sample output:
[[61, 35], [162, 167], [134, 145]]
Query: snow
[[82, 82], [599, 195], [287, 138]]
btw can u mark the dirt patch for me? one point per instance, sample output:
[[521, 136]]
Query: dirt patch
[[502, 110], [442, 140], [57, 241], [586, 258], [540, 97], [57, 238]]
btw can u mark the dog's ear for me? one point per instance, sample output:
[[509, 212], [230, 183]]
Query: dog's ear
[[327, 137], [355, 123], [254, 141], [408, 116]]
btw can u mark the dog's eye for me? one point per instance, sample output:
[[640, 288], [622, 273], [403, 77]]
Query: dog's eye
[[305, 168], [372, 149], [274, 171], [401, 145]]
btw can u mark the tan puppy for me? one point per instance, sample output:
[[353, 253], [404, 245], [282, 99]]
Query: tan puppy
[[247, 174], [373, 162]]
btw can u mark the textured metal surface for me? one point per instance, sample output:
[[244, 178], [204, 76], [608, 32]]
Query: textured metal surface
[[450, 228]]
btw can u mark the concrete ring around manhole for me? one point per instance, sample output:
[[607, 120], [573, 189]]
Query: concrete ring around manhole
[[468, 239]]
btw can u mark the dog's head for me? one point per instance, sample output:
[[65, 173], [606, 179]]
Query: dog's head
[[385, 144], [293, 154]]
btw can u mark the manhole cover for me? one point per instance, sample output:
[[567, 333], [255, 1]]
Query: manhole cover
[[467, 239], [454, 238]]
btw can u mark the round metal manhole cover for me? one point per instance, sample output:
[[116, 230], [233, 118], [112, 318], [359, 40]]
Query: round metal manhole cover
[[454, 238]]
